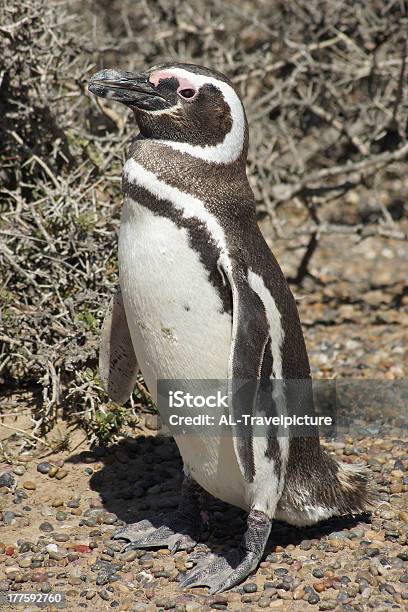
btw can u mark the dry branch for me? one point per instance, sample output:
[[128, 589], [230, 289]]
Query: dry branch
[[316, 181]]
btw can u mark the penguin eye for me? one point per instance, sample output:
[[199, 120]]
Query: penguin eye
[[187, 93]]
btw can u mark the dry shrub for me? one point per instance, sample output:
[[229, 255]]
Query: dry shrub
[[324, 85]]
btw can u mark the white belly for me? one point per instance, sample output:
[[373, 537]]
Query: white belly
[[178, 332]]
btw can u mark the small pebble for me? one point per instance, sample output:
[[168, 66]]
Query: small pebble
[[327, 605], [372, 552], [61, 474], [73, 503], [51, 547], [44, 467], [313, 598], [8, 517], [109, 518], [104, 594], [251, 587], [21, 494], [19, 470], [129, 555], [39, 577], [280, 571], [82, 548], [298, 593], [46, 527], [61, 537], [7, 479]]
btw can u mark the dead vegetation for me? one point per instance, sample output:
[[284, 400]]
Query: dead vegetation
[[325, 88]]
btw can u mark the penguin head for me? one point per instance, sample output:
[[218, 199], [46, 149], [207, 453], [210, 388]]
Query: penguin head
[[180, 103]]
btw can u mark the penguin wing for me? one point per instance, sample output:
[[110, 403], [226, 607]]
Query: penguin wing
[[250, 337], [118, 367]]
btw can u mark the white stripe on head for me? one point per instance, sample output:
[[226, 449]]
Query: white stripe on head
[[231, 147]]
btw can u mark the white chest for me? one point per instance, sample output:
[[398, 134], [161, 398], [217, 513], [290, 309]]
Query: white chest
[[174, 313]]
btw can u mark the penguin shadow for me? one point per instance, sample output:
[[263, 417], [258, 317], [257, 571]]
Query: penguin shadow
[[141, 478]]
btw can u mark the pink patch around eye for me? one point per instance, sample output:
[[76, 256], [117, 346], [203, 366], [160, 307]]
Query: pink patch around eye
[[159, 75]]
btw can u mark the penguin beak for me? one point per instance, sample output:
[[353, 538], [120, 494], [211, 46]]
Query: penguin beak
[[133, 90]]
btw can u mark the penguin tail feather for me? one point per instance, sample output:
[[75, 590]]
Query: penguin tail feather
[[356, 492], [324, 488]]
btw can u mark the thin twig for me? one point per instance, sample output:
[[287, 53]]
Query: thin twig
[[27, 433]]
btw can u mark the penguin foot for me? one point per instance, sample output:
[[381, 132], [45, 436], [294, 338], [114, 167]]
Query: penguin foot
[[176, 532], [221, 572], [179, 530]]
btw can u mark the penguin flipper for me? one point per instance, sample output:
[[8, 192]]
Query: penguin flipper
[[118, 366], [250, 336]]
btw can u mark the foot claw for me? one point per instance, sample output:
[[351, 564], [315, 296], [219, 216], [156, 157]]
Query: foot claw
[[182, 542]]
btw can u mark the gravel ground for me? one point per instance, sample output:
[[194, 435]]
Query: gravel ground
[[60, 511]]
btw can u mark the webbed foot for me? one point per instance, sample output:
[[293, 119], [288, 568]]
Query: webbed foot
[[174, 531], [221, 572]]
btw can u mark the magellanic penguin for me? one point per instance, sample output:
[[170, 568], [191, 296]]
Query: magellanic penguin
[[202, 297]]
